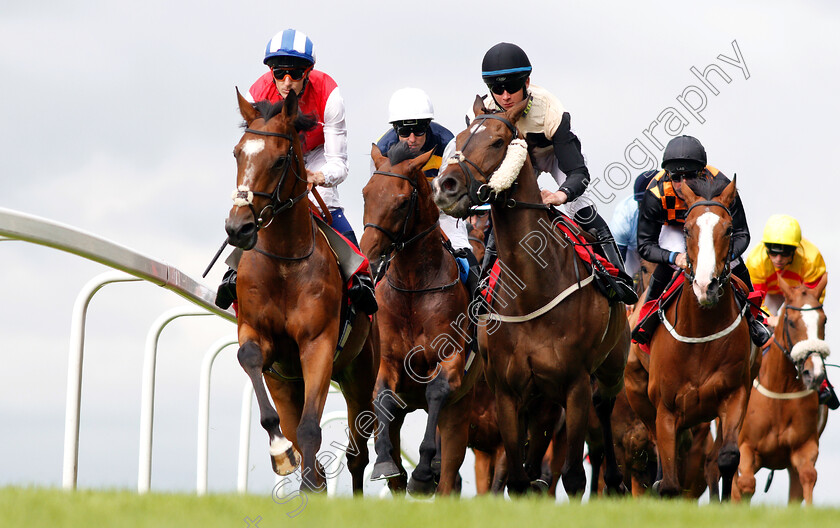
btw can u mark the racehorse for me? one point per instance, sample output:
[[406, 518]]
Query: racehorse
[[476, 227], [291, 295], [540, 347], [700, 356], [422, 326], [781, 427]]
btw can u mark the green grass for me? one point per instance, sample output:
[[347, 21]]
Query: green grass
[[118, 509]]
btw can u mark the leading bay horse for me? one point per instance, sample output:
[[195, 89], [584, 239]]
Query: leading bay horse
[[781, 430], [700, 356], [549, 328], [422, 329], [291, 295]]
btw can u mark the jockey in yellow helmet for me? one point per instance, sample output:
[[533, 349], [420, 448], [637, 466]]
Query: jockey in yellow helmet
[[783, 253]]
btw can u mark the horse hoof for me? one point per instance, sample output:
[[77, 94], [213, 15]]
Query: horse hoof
[[655, 488], [619, 491], [385, 470], [539, 486], [284, 457], [420, 488]]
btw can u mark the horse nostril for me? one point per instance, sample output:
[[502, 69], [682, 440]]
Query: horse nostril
[[448, 184]]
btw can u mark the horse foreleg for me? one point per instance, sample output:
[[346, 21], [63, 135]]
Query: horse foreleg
[[422, 481], [507, 412], [613, 478], [357, 382], [744, 486], [497, 487], [804, 460], [541, 426], [731, 413], [388, 407], [666, 443], [316, 363], [454, 433], [578, 403], [483, 471], [284, 458]]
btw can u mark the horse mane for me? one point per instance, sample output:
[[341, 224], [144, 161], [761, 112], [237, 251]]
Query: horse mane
[[267, 110], [400, 151], [708, 189]]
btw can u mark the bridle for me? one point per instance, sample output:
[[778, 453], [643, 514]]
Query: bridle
[[275, 205], [721, 279], [481, 193], [398, 240], [787, 347]]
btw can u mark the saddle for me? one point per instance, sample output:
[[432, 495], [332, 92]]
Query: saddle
[[649, 318], [605, 273]]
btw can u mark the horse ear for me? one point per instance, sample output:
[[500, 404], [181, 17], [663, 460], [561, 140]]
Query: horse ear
[[249, 113], [787, 291], [376, 156], [818, 289], [478, 106], [688, 194], [727, 197], [515, 113], [420, 161], [290, 105]]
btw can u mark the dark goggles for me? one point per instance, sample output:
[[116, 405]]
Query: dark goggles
[[509, 85], [680, 176], [296, 74], [780, 250], [406, 129]]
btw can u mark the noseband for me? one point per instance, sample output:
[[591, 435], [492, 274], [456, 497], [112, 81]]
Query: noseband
[[398, 241], [275, 205], [480, 193], [721, 279]]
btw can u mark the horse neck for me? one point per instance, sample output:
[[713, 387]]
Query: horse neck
[[512, 226], [290, 232], [697, 320], [424, 259], [778, 372]]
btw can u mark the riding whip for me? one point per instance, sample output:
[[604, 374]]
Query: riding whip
[[215, 258]]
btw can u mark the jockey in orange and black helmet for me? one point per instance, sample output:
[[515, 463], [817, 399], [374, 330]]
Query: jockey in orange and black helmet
[[663, 211]]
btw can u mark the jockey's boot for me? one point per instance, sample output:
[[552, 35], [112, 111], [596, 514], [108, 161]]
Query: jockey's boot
[[591, 221], [362, 294], [226, 293], [758, 332], [828, 396]]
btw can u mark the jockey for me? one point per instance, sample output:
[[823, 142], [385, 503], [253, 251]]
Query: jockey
[[783, 252], [625, 222], [662, 216], [290, 58], [552, 146], [411, 115]]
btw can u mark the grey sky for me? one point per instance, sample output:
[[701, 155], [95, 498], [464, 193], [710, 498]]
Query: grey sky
[[120, 119]]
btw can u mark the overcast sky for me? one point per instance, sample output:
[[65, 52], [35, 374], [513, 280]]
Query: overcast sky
[[120, 119]]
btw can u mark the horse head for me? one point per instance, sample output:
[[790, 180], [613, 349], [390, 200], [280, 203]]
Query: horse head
[[708, 240], [265, 155], [398, 207], [800, 333], [489, 146]]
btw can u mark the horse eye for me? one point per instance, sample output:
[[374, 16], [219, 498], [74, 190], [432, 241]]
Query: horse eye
[[686, 232], [498, 143], [729, 231], [280, 162]]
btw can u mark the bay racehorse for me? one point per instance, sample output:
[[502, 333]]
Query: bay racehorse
[[549, 327], [781, 427], [700, 356], [291, 295], [422, 326]]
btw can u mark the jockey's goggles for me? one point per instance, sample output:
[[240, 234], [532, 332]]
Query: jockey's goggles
[[510, 86], [406, 128], [296, 74], [680, 176], [780, 250]]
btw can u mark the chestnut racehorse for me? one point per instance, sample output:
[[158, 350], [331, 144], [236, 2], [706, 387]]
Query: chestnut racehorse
[[291, 295], [549, 327], [700, 356], [422, 326], [781, 428]]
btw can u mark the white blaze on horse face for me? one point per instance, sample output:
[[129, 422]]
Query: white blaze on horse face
[[476, 128], [706, 260], [251, 148], [811, 318]]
